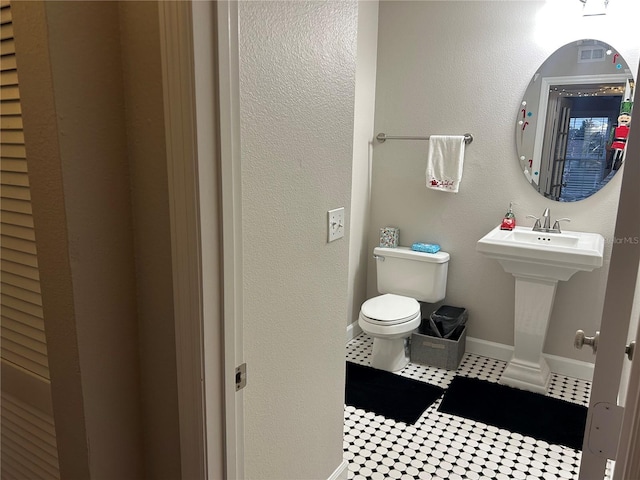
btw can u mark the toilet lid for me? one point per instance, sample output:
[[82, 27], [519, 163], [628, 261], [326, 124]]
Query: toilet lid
[[390, 309]]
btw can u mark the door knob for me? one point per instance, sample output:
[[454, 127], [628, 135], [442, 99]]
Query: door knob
[[581, 339], [630, 349]]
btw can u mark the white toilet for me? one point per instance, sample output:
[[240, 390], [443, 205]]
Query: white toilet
[[404, 278]]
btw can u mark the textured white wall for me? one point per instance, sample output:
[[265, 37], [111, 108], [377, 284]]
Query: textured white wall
[[456, 67], [297, 83]]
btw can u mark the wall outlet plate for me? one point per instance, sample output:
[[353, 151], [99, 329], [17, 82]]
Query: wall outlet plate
[[335, 224]]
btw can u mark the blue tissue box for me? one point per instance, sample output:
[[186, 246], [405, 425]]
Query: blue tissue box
[[425, 247]]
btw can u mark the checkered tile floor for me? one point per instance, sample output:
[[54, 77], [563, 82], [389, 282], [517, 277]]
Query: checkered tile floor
[[442, 446]]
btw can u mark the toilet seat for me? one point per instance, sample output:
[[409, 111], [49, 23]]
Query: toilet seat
[[390, 309]]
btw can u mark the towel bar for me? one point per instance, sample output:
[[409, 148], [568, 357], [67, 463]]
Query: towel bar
[[382, 137]]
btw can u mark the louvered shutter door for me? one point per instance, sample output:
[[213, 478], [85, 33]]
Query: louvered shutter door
[[28, 440]]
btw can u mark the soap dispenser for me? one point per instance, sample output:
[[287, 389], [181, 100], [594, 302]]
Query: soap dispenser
[[509, 220]]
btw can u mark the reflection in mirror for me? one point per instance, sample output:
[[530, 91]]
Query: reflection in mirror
[[574, 119]]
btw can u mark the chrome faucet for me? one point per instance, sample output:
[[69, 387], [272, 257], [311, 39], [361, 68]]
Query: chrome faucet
[[546, 215], [546, 223]]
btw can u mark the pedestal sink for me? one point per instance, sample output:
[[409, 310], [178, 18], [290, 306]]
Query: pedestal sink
[[538, 261]]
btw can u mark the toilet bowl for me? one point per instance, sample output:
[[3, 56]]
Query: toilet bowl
[[404, 277], [390, 319]]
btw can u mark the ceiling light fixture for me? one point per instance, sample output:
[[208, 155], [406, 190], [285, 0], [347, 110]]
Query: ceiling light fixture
[[594, 7]]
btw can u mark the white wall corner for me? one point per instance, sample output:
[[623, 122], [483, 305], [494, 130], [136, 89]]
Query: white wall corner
[[353, 330], [363, 131]]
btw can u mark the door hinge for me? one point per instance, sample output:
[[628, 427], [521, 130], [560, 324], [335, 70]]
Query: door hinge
[[630, 349], [241, 376], [604, 429]]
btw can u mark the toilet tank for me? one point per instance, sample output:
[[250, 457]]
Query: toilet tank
[[419, 275]]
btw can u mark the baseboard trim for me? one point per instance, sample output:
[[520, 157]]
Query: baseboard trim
[[340, 473], [560, 365], [570, 367], [353, 330]]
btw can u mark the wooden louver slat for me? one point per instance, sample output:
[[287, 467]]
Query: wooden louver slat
[[28, 437]]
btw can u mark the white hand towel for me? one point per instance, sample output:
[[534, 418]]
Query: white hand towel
[[445, 159]]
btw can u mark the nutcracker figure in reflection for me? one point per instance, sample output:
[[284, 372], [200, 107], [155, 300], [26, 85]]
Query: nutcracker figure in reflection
[[621, 133]]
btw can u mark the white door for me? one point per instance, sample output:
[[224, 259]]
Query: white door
[[605, 415]]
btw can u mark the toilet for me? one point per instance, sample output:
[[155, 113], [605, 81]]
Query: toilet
[[405, 277]]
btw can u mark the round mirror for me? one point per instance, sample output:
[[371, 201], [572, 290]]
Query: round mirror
[[573, 121]]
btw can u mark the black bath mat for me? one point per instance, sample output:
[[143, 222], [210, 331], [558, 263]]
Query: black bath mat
[[532, 414], [387, 394]]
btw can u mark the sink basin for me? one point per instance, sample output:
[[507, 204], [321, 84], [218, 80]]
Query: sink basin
[[536, 238], [548, 255]]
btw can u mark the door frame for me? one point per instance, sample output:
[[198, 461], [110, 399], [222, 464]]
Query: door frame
[[228, 74], [202, 137], [618, 304], [180, 137], [628, 454], [628, 458]]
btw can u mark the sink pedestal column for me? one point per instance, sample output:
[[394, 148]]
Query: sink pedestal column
[[527, 369]]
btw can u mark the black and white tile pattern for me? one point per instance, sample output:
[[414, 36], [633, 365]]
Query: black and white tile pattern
[[443, 446]]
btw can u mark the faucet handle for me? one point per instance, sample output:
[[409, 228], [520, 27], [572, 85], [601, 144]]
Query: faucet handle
[[537, 224], [556, 225]]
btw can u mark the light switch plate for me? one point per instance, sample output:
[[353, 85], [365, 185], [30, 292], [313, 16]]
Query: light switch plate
[[335, 224]]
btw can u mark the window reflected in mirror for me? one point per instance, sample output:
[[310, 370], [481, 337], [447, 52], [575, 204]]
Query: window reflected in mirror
[[582, 161]]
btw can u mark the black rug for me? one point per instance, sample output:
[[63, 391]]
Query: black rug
[[532, 414], [385, 393]]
